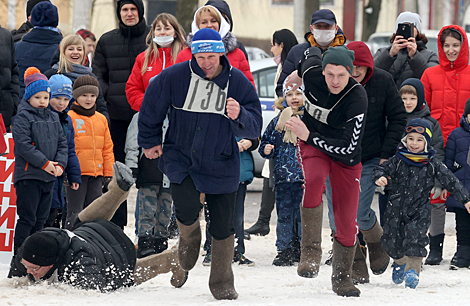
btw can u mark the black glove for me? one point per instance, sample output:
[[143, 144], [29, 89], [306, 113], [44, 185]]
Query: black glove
[[106, 181], [135, 172]]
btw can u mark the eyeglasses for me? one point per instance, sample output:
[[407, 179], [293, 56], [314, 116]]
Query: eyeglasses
[[31, 268], [418, 129]]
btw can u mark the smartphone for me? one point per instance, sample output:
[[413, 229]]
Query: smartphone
[[406, 30]]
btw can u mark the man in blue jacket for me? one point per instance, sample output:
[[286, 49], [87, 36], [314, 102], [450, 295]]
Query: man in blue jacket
[[209, 104]]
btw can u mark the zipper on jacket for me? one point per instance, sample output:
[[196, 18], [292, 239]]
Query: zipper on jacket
[[94, 145]]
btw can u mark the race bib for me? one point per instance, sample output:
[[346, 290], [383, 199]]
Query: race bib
[[205, 96]]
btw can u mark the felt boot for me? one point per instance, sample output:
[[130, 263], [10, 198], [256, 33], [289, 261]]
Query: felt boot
[[105, 206], [151, 266], [189, 244], [310, 245], [221, 280], [378, 258], [360, 272], [342, 270]]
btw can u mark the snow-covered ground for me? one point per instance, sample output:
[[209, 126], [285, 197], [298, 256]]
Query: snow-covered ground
[[263, 284]]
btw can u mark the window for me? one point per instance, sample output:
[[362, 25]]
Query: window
[[264, 81]]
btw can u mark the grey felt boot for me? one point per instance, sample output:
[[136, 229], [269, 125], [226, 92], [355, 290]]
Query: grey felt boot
[[189, 244], [151, 266], [310, 245], [105, 206], [378, 258], [221, 280], [360, 272], [342, 270]]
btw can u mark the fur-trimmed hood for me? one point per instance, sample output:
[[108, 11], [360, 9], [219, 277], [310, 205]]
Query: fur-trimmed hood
[[229, 40]]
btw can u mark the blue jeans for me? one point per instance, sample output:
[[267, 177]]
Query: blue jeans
[[365, 214], [288, 199]]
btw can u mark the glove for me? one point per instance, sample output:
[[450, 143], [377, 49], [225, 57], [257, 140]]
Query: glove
[[436, 192], [135, 172], [106, 181]]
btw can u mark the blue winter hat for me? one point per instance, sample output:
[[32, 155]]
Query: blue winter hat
[[35, 82], [61, 86], [207, 40], [420, 126], [45, 14]]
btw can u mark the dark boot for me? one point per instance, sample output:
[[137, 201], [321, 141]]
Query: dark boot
[[360, 272], [342, 270], [221, 280], [284, 258], [435, 250], [145, 246], [378, 258], [462, 257], [189, 244], [310, 245], [160, 244]]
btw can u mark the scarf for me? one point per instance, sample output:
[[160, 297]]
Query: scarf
[[83, 111], [414, 159], [285, 115], [78, 71]]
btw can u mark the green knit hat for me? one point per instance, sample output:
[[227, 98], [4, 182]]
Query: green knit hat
[[339, 55]]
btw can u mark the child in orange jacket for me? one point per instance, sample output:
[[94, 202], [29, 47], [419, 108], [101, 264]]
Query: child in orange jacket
[[93, 145]]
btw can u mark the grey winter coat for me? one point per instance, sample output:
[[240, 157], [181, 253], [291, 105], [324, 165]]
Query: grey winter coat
[[401, 66]]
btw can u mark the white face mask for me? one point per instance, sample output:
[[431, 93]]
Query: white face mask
[[164, 41], [324, 37]]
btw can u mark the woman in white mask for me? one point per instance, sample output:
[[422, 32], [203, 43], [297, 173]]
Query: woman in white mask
[[165, 40]]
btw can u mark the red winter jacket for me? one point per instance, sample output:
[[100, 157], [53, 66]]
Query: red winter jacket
[[137, 83], [236, 58], [447, 86]]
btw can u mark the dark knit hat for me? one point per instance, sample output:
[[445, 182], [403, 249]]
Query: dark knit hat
[[466, 110], [339, 55], [85, 84], [35, 82], [61, 86], [40, 249], [31, 4], [324, 15], [420, 126], [207, 40], [45, 14]]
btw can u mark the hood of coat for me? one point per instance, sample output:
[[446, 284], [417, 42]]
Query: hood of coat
[[464, 124], [224, 27], [419, 90], [223, 8], [362, 57], [140, 27], [462, 59]]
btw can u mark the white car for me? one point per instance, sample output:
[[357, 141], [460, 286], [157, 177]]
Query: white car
[[255, 53], [264, 72]]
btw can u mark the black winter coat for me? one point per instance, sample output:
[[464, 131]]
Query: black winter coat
[[95, 255], [113, 62], [22, 31], [386, 117], [9, 81]]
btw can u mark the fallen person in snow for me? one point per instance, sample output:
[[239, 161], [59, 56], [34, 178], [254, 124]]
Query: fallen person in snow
[[96, 254]]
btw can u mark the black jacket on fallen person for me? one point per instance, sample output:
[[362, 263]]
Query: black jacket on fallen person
[[386, 117], [9, 81], [114, 59], [340, 136], [95, 255]]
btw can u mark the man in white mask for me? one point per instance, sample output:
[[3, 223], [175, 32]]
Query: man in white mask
[[324, 33]]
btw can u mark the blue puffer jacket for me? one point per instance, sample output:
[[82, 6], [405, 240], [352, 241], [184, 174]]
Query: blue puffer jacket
[[39, 138], [286, 167], [456, 157], [72, 171], [36, 50], [198, 144]]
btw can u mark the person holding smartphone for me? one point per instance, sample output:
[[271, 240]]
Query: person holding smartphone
[[408, 55]]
